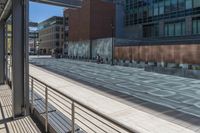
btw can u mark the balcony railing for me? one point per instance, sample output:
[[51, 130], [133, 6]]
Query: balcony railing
[[67, 114]]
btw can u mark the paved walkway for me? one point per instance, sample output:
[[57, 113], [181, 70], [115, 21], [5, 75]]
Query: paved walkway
[[139, 120], [7, 124], [182, 94]]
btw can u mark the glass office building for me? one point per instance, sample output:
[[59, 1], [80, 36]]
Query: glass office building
[[163, 18]]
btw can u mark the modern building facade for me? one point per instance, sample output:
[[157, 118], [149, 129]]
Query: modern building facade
[[33, 37], [164, 31], [33, 41], [162, 18], [51, 34]]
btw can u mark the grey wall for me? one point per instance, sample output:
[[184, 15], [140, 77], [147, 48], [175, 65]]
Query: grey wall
[[81, 48], [134, 31], [103, 47]]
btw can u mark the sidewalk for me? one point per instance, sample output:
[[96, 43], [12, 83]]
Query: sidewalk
[[138, 120]]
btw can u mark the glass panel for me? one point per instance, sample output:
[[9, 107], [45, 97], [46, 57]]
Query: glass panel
[[173, 5], [183, 28], [178, 29], [140, 13], [167, 6], [166, 29], [171, 29], [198, 26], [188, 4], [181, 4], [150, 11], [155, 13], [196, 3], [161, 7], [194, 26], [145, 12]]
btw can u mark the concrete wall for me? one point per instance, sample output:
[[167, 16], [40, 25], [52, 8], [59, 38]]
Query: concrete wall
[[103, 47], [79, 49]]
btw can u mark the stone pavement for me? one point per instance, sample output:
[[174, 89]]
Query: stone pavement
[[138, 120], [177, 93]]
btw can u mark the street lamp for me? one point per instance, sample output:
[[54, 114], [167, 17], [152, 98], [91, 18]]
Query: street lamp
[[113, 29]]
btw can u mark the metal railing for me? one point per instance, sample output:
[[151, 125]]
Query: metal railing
[[76, 115], [8, 71]]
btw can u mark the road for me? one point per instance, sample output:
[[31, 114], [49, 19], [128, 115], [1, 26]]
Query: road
[[178, 93]]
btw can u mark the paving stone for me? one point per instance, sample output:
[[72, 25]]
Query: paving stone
[[167, 90]]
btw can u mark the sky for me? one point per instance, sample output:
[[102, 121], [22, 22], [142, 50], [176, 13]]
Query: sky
[[40, 12]]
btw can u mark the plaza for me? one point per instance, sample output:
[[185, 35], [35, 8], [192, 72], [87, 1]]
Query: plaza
[[172, 95]]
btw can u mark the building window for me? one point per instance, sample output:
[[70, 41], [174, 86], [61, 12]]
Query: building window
[[143, 11], [196, 3], [196, 26], [167, 6], [175, 28], [181, 4], [155, 11], [57, 44], [161, 7], [188, 4], [150, 11], [174, 5], [150, 30], [57, 28], [57, 36], [170, 29]]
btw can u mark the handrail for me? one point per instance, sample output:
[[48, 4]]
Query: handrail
[[96, 112]]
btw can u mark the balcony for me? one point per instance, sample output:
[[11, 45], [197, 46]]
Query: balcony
[[7, 123]]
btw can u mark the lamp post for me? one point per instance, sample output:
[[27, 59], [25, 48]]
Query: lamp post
[[113, 28]]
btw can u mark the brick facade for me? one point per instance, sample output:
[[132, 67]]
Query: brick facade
[[92, 21]]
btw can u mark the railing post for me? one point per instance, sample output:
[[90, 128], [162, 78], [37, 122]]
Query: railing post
[[46, 109], [73, 117], [32, 95], [8, 72]]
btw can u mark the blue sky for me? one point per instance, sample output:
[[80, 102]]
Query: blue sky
[[40, 12]]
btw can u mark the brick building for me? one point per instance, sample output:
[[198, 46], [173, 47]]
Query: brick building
[[94, 20]]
